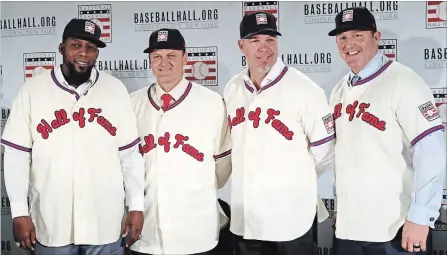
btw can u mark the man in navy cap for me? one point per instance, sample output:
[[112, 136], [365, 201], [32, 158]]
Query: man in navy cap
[[187, 149], [282, 134], [390, 151], [72, 145]]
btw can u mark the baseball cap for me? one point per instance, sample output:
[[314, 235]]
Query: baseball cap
[[166, 38], [258, 23], [355, 18], [84, 29]]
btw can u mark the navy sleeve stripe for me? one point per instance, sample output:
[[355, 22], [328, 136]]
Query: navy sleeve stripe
[[425, 133], [15, 146], [323, 141], [130, 145], [224, 154]]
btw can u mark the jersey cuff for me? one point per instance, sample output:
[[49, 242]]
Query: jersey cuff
[[130, 145], [19, 208], [421, 215], [425, 133], [15, 146], [136, 203], [224, 154], [323, 141]]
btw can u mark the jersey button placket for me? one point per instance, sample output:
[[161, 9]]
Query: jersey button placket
[[250, 150]]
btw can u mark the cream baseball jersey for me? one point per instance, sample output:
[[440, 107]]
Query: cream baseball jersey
[[76, 180], [273, 132], [187, 156], [378, 120]]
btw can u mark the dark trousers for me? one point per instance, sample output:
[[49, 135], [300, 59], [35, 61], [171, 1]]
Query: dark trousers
[[303, 245], [393, 247]]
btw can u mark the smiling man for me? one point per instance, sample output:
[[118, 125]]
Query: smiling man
[[282, 134], [187, 149], [72, 145], [390, 151]]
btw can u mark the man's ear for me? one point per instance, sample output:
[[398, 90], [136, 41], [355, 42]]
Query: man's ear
[[240, 44], [61, 49]]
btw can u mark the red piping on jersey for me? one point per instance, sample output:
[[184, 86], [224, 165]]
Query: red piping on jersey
[[374, 75], [276, 80], [425, 133], [157, 107], [324, 140], [224, 154], [15, 146], [53, 76]]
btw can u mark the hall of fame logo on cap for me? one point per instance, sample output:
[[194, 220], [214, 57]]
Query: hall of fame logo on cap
[[162, 36], [264, 6], [348, 15], [37, 62], [101, 14], [388, 47], [261, 19], [202, 65], [436, 14]]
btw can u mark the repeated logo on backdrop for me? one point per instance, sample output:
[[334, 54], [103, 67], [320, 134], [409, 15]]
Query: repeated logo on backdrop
[[330, 207], [388, 47], [315, 62], [37, 62], [435, 58], [202, 67], [101, 14], [126, 68], [5, 115], [436, 15], [265, 6], [6, 245], [176, 19], [26, 26], [325, 12]]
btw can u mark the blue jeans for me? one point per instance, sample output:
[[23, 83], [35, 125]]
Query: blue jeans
[[116, 248]]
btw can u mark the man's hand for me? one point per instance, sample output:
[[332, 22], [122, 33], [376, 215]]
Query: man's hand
[[133, 224], [24, 232], [414, 237]]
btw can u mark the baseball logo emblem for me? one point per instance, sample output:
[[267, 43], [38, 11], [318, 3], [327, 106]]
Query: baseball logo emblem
[[90, 27], [101, 15], [436, 15], [37, 63], [348, 15], [272, 7], [202, 65], [328, 122], [261, 19], [429, 111], [162, 36]]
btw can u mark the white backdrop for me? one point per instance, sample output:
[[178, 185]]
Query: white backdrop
[[414, 33]]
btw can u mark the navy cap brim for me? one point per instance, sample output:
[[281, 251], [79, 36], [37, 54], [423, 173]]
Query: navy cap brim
[[267, 31], [93, 40], [161, 47], [348, 28]]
